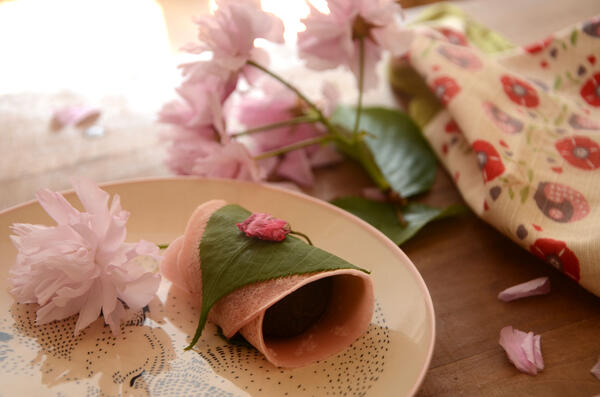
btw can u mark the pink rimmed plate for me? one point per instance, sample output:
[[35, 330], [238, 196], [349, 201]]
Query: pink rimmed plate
[[390, 359]]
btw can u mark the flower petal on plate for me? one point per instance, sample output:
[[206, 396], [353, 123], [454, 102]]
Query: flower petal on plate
[[538, 286], [523, 349]]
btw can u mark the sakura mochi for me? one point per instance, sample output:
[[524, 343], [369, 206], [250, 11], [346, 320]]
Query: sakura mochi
[[292, 301]]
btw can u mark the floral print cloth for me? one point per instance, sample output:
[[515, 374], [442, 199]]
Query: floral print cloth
[[520, 134]]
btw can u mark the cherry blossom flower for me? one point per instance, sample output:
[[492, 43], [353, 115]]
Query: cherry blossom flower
[[201, 106], [81, 265], [523, 349], [538, 286], [229, 36], [331, 40], [231, 160], [265, 227], [186, 146]]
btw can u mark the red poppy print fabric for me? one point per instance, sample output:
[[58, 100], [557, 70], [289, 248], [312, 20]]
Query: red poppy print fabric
[[519, 91], [445, 88], [558, 255], [580, 151], [522, 129], [488, 159], [590, 92]]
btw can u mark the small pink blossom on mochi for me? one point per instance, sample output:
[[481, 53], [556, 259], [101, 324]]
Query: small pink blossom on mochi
[[82, 264], [265, 227]]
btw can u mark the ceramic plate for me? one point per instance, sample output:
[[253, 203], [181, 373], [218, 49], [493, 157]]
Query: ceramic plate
[[147, 358]]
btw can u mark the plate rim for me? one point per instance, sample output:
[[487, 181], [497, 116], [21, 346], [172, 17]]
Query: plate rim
[[378, 234]]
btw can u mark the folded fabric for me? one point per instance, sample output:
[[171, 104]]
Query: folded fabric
[[293, 320], [519, 131]]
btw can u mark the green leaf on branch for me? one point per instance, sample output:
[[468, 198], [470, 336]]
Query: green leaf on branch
[[397, 148], [230, 260], [384, 216]]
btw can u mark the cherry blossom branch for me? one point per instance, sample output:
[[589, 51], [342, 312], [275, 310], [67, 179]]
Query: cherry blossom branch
[[361, 78], [272, 126], [321, 117], [295, 146]]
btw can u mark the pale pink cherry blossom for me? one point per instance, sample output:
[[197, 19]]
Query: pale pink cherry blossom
[[231, 160], [201, 106], [81, 265], [265, 227], [229, 37], [523, 349], [188, 145], [332, 40]]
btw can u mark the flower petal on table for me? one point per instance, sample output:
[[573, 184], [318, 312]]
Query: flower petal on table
[[523, 349], [75, 115], [538, 286], [596, 369]]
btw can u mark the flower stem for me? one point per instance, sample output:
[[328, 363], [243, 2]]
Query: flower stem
[[301, 235], [320, 116], [361, 82], [295, 146], [272, 126], [163, 246], [288, 85]]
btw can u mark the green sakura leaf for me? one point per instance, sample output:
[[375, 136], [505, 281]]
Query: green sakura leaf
[[511, 193], [231, 260], [400, 152], [384, 216]]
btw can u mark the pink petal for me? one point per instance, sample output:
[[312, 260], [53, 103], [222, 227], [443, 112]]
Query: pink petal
[[56, 206], [91, 307], [75, 115], [596, 369], [538, 286], [523, 349], [295, 166]]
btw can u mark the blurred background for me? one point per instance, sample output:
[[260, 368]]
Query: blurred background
[[122, 56]]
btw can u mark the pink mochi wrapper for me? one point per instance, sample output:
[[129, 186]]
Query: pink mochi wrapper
[[347, 317]]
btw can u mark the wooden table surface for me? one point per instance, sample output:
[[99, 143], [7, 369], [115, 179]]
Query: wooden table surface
[[464, 261]]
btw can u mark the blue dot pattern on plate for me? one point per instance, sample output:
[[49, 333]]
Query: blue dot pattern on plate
[[148, 359]]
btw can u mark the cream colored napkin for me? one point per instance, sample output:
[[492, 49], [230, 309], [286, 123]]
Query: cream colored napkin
[[520, 134]]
